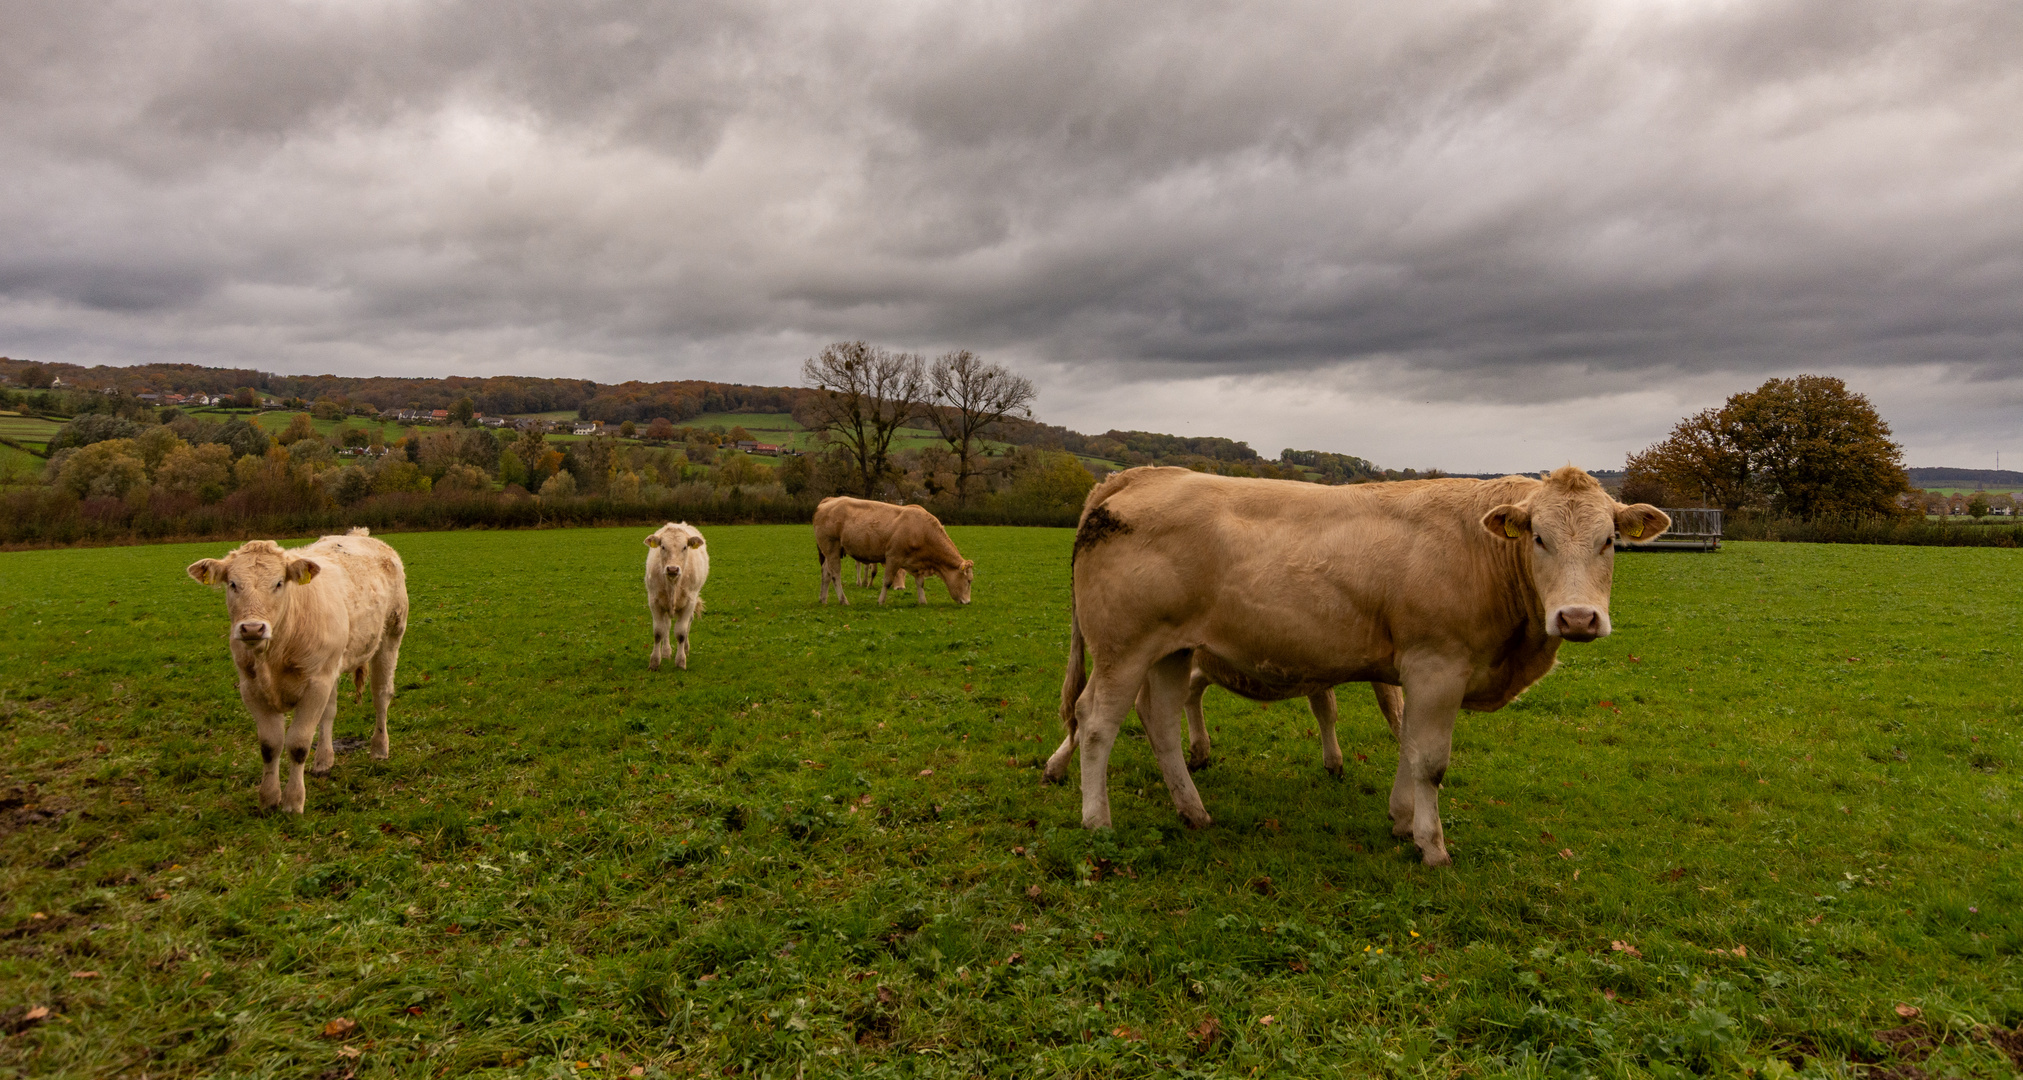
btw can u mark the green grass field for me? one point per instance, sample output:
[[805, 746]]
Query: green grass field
[[1786, 786], [31, 431]]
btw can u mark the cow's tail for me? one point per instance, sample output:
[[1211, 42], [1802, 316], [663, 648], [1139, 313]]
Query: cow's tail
[[1077, 676]]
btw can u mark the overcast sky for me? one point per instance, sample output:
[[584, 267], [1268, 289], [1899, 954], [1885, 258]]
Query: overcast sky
[[1478, 236]]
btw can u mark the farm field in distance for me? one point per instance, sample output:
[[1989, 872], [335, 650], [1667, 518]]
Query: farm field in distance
[[1777, 805]]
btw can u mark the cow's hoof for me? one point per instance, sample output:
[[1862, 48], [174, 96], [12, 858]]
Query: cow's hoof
[[1198, 822], [653, 664], [381, 751], [1197, 766], [1335, 770], [319, 770], [1438, 857]]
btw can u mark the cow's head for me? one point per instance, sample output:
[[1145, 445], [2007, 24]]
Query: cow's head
[[259, 580], [672, 541], [1568, 528], [959, 580]]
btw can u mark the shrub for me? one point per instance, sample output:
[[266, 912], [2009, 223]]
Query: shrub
[[562, 485]]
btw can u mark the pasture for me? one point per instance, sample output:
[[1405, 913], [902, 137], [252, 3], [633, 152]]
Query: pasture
[[1769, 826]]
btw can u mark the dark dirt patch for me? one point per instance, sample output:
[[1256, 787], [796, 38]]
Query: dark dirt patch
[[1099, 525]]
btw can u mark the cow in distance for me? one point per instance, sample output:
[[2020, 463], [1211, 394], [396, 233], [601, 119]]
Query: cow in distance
[[904, 539], [677, 565]]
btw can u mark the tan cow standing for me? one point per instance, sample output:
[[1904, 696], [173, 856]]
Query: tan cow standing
[[901, 538], [1460, 591], [300, 618], [677, 565]]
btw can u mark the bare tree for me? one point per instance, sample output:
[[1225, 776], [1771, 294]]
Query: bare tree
[[969, 396], [863, 396]]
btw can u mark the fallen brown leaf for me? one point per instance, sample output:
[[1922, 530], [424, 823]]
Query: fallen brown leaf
[[1626, 947], [1205, 1033], [339, 1028], [84, 974], [1126, 1034], [1909, 1012], [885, 995]]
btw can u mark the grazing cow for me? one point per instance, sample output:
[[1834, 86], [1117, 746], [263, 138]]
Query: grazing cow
[[905, 539], [677, 565], [1459, 591], [300, 618]]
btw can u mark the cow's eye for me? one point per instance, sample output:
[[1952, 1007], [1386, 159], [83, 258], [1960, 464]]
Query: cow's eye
[[278, 584], [232, 585], [1539, 540]]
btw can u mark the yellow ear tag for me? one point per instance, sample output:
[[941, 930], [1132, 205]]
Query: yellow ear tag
[[1636, 530], [653, 541], [1510, 530], [308, 576]]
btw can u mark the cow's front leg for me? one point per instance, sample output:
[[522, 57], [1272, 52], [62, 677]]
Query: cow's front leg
[[301, 734], [660, 624], [1323, 705], [273, 729], [681, 626], [1425, 741], [1165, 691], [919, 587]]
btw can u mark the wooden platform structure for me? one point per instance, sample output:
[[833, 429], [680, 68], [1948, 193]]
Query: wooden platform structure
[[1693, 529]]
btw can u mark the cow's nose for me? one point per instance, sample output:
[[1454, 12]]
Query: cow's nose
[[674, 571], [253, 630], [1578, 622]]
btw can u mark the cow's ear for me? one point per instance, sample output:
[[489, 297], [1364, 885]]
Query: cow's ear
[[653, 541], [1642, 521], [695, 541], [1509, 521], [303, 571], [207, 571]]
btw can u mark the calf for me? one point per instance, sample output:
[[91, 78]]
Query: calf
[[300, 618], [1206, 672], [677, 564]]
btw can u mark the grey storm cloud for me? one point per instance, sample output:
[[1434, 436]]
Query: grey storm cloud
[[1544, 205]]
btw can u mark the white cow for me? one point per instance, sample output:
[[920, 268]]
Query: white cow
[[300, 618], [677, 564]]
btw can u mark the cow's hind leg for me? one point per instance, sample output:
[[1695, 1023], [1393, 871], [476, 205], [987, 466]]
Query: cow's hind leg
[[1197, 723], [1166, 687], [1099, 716], [383, 664], [326, 742], [1323, 705], [1390, 702]]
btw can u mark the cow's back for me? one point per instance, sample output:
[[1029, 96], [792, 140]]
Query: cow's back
[[368, 579], [1317, 583], [862, 527]]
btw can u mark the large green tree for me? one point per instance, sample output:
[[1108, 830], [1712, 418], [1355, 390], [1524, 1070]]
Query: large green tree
[[1808, 447]]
